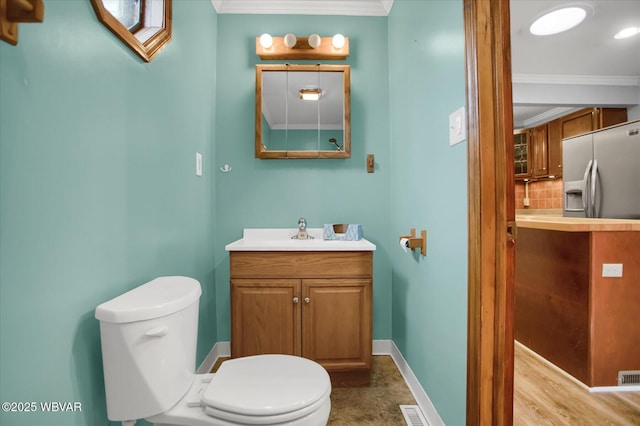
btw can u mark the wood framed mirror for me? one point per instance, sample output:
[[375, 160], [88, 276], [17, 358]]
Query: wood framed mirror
[[143, 25], [303, 111]]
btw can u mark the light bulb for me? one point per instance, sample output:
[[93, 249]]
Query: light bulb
[[266, 41], [338, 41], [290, 40], [314, 40]]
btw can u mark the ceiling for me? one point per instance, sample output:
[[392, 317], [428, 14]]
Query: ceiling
[[552, 75]]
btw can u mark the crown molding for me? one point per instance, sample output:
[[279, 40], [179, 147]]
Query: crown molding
[[586, 80], [549, 115], [305, 7]]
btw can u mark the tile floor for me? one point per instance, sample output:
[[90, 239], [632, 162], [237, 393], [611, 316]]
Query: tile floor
[[378, 404]]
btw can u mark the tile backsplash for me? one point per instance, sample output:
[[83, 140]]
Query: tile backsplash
[[543, 194]]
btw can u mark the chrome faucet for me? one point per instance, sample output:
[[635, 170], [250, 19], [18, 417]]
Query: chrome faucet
[[302, 230]]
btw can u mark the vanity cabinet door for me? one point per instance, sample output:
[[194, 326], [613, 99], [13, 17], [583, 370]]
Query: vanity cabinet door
[[265, 316], [336, 322]]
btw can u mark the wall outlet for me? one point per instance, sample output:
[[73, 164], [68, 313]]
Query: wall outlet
[[612, 270]]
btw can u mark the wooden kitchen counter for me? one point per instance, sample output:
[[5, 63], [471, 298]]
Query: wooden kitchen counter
[[575, 224], [565, 310]]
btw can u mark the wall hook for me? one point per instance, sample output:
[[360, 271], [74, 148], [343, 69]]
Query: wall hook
[[225, 169]]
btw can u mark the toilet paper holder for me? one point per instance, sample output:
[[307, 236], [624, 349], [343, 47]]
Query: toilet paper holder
[[414, 242]]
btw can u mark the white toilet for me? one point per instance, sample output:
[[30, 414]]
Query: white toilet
[[148, 338]]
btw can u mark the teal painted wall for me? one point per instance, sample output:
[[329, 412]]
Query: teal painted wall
[[428, 179], [275, 193], [98, 193]]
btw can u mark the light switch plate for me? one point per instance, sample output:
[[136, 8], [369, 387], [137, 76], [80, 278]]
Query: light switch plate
[[612, 270], [198, 164], [457, 127]]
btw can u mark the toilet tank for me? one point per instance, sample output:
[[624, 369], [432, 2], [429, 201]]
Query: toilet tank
[[148, 338]]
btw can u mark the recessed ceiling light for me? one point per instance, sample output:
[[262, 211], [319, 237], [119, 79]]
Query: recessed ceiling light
[[558, 21], [627, 32]]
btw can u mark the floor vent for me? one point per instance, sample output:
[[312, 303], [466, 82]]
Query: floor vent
[[629, 378], [413, 415]]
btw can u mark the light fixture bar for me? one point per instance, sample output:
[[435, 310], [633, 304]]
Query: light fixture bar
[[302, 49]]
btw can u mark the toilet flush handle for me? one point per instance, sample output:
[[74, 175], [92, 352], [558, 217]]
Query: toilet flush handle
[[157, 331]]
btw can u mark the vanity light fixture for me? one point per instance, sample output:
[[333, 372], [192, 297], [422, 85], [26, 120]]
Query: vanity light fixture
[[627, 32], [558, 20], [313, 47], [314, 40], [310, 94], [266, 41], [290, 40]]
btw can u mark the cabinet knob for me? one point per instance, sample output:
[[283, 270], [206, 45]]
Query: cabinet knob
[[307, 300], [295, 300]]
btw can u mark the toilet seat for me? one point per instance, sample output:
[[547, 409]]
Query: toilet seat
[[266, 389]]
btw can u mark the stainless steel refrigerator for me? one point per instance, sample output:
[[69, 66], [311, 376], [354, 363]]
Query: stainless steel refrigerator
[[601, 173]]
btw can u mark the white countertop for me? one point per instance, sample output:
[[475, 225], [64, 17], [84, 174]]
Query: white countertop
[[279, 239]]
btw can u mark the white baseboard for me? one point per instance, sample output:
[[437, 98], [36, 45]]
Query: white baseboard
[[379, 347], [220, 349], [627, 388], [421, 397]]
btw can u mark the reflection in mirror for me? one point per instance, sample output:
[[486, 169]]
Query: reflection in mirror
[[128, 12], [143, 25], [302, 111]]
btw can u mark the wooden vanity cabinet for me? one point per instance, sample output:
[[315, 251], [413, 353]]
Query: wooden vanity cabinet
[[312, 304]]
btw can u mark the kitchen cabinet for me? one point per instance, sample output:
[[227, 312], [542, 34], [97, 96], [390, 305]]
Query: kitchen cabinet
[[521, 153], [312, 304], [540, 158], [577, 123], [554, 144], [544, 142], [565, 310]]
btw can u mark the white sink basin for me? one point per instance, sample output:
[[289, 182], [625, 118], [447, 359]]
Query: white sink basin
[[279, 239]]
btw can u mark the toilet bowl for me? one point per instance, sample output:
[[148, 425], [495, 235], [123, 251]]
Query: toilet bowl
[[148, 337], [263, 389]]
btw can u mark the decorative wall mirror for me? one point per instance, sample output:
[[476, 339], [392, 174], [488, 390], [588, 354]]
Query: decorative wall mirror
[[303, 111], [143, 25]]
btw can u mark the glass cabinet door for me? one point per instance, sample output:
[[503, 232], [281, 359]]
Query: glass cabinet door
[[522, 142]]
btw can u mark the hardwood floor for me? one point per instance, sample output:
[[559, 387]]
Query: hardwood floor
[[545, 396]]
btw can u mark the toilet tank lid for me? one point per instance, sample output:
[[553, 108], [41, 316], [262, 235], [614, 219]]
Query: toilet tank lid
[[157, 298]]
